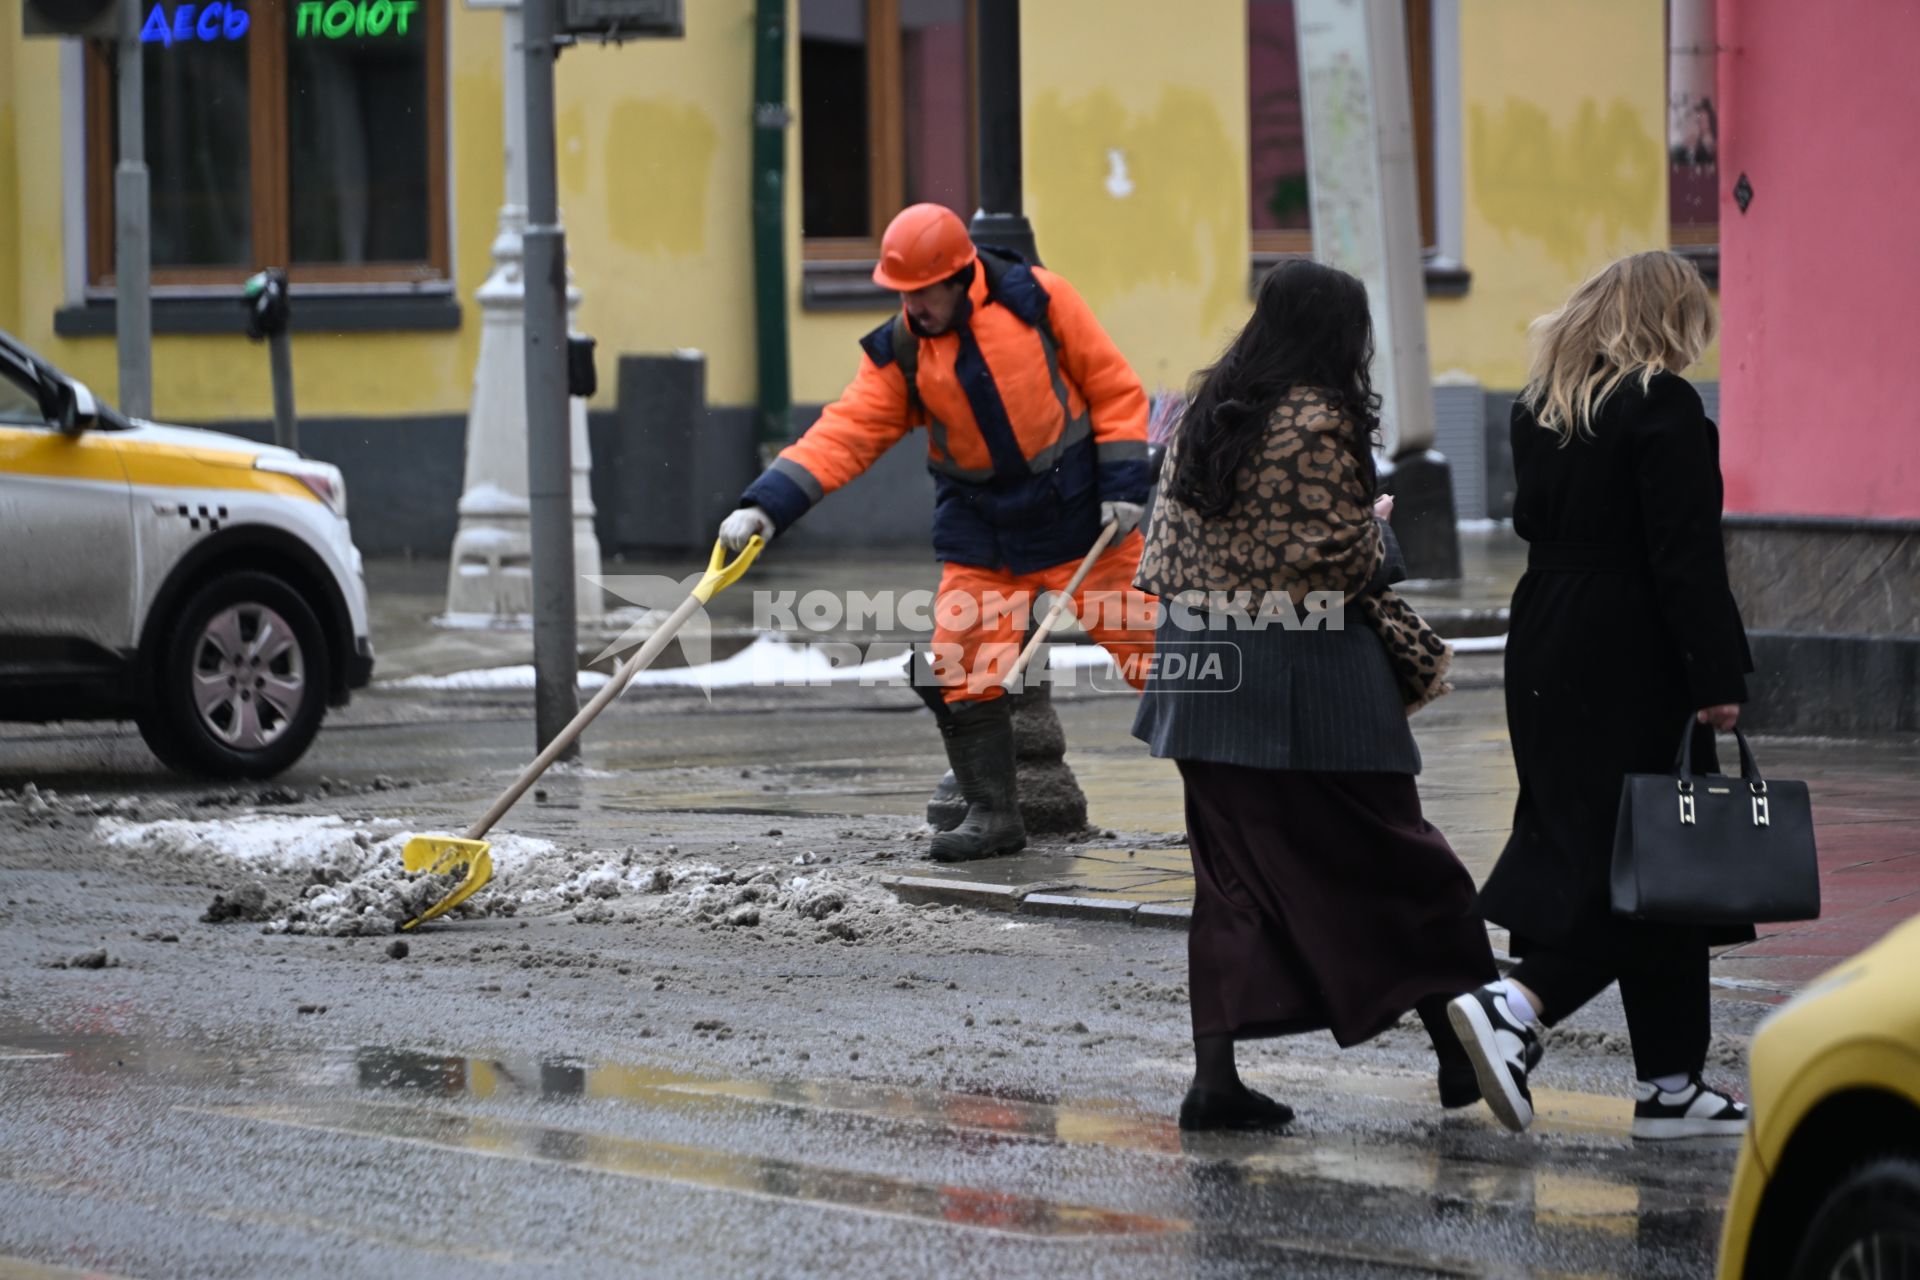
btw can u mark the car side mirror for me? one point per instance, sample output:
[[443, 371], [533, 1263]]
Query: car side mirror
[[74, 408], [58, 405]]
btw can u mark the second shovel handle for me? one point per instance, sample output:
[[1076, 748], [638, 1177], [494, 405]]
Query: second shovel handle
[[1041, 632]]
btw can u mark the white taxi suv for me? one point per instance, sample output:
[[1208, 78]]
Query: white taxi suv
[[203, 585]]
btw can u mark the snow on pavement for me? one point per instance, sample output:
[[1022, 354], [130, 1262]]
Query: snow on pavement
[[336, 877], [769, 661]]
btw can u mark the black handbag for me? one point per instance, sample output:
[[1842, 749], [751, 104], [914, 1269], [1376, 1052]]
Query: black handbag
[[1706, 849]]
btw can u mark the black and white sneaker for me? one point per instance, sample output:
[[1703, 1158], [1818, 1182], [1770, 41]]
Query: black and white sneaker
[[1503, 1048], [1692, 1111]]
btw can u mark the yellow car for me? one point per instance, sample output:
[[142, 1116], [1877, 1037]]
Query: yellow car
[[1828, 1183]]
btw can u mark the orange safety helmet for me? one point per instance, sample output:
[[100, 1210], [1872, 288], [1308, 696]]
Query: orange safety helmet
[[924, 244]]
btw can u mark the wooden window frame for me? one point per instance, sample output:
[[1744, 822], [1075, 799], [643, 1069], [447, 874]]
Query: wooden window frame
[[886, 131], [270, 201], [1269, 242]]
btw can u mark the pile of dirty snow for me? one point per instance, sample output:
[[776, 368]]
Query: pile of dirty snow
[[325, 875], [300, 874], [264, 842]]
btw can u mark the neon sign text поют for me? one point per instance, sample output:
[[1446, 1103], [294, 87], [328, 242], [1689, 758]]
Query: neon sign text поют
[[217, 20], [345, 17]]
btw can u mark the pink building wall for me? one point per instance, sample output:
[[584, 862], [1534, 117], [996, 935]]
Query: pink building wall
[[1820, 278]]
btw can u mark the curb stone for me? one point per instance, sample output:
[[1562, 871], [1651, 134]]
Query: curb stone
[[965, 893], [1115, 910], [968, 893], [1041, 898], [1163, 915]]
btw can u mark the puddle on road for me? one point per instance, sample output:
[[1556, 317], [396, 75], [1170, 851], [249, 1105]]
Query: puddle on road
[[980, 1210], [956, 1115], [850, 791], [1522, 1184]]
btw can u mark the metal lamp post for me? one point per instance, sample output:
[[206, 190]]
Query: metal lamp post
[[1001, 221]]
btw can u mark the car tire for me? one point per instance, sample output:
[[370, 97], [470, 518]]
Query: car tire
[[1868, 1227], [240, 629]]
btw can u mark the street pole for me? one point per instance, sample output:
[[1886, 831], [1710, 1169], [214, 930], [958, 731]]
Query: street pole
[[286, 430], [1001, 222], [770, 117], [133, 312], [556, 659], [1364, 187], [1052, 799]]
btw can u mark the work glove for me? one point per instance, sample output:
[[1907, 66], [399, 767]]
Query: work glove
[[1125, 514], [740, 527]]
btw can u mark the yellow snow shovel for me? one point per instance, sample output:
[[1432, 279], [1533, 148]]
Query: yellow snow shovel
[[443, 855]]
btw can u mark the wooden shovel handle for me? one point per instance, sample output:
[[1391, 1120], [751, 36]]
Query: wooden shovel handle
[[622, 676], [721, 573], [1046, 626]]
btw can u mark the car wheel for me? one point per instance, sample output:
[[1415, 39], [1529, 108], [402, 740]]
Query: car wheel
[[1868, 1228], [243, 680]]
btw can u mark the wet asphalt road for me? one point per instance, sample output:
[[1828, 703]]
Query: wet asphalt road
[[543, 1097], [147, 1156]]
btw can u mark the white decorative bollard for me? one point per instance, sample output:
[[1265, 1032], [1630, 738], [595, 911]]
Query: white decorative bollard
[[491, 571]]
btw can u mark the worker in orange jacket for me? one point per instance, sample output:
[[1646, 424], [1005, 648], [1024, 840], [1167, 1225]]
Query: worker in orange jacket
[[1037, 439]]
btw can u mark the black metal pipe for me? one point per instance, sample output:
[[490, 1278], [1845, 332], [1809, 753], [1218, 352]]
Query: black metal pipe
[[770, 118], [1001, 221]]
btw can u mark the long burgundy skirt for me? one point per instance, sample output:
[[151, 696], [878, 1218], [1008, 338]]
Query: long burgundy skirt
[[1323, 901]]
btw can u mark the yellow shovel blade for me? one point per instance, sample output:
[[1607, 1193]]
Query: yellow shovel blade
[[441, 855]]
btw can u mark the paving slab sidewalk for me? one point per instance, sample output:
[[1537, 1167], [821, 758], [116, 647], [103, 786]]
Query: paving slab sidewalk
[[1866, 814]]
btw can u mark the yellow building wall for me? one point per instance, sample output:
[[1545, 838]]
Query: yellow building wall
[[9, 182], [1136, 169], [1136, 179], [1563, 129], [203, 378], [655, 144], [1136, 182]]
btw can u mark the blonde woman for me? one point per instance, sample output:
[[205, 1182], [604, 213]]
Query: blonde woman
[[1621, 628]]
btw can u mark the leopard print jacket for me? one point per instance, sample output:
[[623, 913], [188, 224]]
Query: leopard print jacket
[[1302, 520]]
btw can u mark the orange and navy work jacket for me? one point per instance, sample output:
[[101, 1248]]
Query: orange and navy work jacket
[[1026, 435]]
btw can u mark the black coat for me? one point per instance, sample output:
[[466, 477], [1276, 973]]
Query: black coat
[[1621, 627]]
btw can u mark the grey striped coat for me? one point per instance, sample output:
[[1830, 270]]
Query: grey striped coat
[[1321, 700]]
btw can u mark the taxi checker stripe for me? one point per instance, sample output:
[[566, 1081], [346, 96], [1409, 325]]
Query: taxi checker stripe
[[148, 464]]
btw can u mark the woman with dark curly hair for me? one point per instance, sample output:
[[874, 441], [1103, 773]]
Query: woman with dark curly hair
[[1286, 668]]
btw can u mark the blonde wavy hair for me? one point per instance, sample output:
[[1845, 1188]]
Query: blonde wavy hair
[[1645, 314]]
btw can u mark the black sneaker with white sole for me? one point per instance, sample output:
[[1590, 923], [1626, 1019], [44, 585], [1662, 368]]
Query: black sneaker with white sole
[[1692, 1111], [1503, 1048]]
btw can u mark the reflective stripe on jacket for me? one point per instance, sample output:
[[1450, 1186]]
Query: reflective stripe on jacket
[[1024, 441]]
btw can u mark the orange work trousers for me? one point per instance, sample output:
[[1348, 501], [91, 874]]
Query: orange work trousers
[[983, 616]]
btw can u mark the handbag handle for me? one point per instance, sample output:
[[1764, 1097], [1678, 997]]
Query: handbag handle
[[1683, 761]]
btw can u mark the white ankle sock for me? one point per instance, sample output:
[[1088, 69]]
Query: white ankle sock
[[1517, 1003], [1669, 1084]]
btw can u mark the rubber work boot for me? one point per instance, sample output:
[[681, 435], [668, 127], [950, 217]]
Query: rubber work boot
[[946, 808], [979, 737]]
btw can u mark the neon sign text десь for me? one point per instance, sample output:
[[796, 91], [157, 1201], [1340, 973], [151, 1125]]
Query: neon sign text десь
[[346, 17], [205, 23]]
